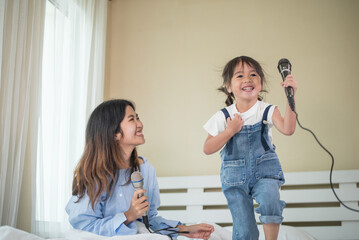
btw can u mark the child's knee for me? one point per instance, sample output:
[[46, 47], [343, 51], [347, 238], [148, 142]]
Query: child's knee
[[271, 210]]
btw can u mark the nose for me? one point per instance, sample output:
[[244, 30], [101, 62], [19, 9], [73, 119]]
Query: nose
[[139, 124], [247, 79]]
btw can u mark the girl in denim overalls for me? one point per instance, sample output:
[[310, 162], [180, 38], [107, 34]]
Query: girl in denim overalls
[[242, 131]]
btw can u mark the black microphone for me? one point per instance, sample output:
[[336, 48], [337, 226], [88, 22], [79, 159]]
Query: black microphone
[[137, 183], [284, 68]]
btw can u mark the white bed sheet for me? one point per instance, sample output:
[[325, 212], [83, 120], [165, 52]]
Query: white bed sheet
[[220, 233], [285, 233], [10, 233]]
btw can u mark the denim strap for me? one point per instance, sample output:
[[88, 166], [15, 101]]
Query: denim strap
[[264, 119], [229, 145]]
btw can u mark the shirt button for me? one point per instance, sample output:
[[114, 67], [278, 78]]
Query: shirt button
[[121, 195]]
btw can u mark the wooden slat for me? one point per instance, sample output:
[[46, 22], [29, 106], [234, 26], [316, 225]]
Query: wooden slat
[[289, 196], [321, 177], [319, 195], [180, 199], [209, 181], [292, 178], [223, 216], [290, 215], [319, 214]]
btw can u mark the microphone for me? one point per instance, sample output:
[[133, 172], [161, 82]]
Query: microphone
[[137, 183], [284, 68]]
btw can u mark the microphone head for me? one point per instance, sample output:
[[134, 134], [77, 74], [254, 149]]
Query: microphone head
[[284, 64], [284, 67], [137, 180]]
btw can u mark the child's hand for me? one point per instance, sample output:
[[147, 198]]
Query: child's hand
[[235, 125], [290, 82]]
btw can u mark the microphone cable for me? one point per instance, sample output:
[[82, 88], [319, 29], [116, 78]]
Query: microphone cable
[[171, 230], [331, 168]]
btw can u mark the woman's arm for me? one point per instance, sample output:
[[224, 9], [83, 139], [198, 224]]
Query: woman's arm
[[83, 217]]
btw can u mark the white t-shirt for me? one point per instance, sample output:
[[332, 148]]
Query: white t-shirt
[[218, 123]]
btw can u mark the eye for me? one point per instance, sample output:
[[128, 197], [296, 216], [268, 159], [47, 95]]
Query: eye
[[240, 76], [253, 75]]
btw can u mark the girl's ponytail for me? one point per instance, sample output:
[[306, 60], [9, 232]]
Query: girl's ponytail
[[229, 100]]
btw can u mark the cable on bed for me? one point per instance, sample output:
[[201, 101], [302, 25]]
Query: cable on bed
[[171, 230]]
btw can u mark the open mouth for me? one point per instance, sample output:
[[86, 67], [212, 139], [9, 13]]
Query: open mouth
[[248, 89]]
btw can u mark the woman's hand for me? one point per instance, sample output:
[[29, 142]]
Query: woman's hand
[[202, 230], [138, 206]]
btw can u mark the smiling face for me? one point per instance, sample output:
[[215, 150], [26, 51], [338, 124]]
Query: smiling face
[[131, 130], [245, 84]]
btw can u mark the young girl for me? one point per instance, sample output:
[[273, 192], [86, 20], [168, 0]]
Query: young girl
[[104, 202], [250, 167]]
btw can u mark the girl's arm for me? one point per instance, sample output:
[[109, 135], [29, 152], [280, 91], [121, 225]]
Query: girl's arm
[[213, 144], [286, 124]]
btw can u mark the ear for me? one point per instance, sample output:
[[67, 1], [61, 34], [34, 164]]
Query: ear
[[228, 87], [118, 136]]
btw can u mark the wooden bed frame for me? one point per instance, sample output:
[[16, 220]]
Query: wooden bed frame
[[311, 204]]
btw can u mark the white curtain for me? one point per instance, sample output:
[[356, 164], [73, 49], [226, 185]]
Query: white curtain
[[72, 86], [21, 37]]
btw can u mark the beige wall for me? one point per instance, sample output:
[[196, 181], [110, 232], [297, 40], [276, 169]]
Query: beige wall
[[167, 56]]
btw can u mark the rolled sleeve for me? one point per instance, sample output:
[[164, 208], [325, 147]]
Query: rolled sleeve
[[83, 217]]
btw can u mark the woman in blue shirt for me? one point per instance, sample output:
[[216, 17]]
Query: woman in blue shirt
[[104, 202]]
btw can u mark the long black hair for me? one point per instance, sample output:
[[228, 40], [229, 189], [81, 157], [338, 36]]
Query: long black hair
[[99, 165]]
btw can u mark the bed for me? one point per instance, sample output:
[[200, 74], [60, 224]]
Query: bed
[[312, 211]]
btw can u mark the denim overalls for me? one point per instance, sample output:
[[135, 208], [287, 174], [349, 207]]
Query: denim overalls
[[251, 170]]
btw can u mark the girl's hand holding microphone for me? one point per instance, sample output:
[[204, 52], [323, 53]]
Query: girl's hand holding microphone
[[139, 206], [290, 82]]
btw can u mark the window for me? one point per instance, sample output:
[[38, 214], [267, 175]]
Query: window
[[72, 85]]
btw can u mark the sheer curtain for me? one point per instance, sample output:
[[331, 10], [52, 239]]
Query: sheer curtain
[[21, 37], [73, 76]]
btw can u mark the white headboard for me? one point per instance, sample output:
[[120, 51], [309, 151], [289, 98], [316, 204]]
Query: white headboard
[[311, 204]]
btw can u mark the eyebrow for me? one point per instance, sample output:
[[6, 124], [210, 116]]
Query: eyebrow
[[241, 71], [130, 116]]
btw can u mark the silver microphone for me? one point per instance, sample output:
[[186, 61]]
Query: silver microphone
[[137, 182]]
